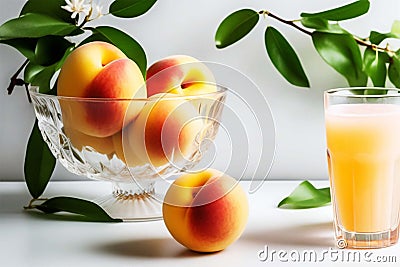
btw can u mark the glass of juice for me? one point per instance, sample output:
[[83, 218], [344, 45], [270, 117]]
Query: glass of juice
[[363, 150]]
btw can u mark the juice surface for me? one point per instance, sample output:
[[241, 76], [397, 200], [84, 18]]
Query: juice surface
[[364, 165]]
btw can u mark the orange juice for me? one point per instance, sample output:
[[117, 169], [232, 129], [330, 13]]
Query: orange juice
[[364, 165]]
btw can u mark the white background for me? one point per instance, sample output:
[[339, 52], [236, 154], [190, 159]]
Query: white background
[[188, 27]]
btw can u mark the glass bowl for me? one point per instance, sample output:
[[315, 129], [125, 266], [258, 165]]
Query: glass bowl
[[129, 142]]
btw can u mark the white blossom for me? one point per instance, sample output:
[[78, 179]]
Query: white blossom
[[96, 12], [76, 7]]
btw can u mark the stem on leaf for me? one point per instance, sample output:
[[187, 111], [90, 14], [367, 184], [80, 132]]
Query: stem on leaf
[[31, 205]]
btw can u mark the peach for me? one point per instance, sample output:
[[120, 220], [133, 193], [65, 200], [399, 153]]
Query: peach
[[165, 130], [103, 145], [205, 211], [98, 71], [124, 151], [179, 74]]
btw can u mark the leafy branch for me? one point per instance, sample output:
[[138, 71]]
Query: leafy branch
[[288, 22], [361, 42], [337, 47], [42, 34]]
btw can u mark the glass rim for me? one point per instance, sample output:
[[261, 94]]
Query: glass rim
[[221, 90], [331, 92]]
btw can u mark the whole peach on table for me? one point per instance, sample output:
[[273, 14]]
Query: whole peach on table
[[179, 74], [97, 71], [164, 131], [205, 211]]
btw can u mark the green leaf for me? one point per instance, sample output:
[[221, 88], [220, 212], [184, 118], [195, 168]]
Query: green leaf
[[394, 71], [39, 163], [284, 58], [315, 23], [31, 70], [374, 92], [130, 8], [305, 196], [53, 91], [236, 26], [375, 66], [26, 46], [68, 51], [131, 48], [34, 25], [322, 25], [50, 49], [345, 12], [342, 53], [76, 206], [396, 28], [40, 76], [377, 37], [50, 8]]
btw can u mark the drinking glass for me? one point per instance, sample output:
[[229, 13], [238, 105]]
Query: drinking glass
[[363, 150]]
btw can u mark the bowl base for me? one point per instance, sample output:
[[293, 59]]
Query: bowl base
[[131, 202]]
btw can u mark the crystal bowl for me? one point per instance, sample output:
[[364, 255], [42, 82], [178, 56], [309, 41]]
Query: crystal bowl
[[154, 139]]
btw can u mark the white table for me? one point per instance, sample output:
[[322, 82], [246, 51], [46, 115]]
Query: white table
[[34, 239]]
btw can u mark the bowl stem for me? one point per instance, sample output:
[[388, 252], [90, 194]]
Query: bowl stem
[[132, 202]]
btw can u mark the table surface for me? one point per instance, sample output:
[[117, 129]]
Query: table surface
[[273, 237]]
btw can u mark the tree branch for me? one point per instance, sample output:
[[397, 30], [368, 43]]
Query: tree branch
[[297, 27], [288, 22], [15, 81]]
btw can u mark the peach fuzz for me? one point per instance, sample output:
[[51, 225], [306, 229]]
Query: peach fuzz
[[179, 74], [80, 140], [165, 130], [98, 71], [205, 211]]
